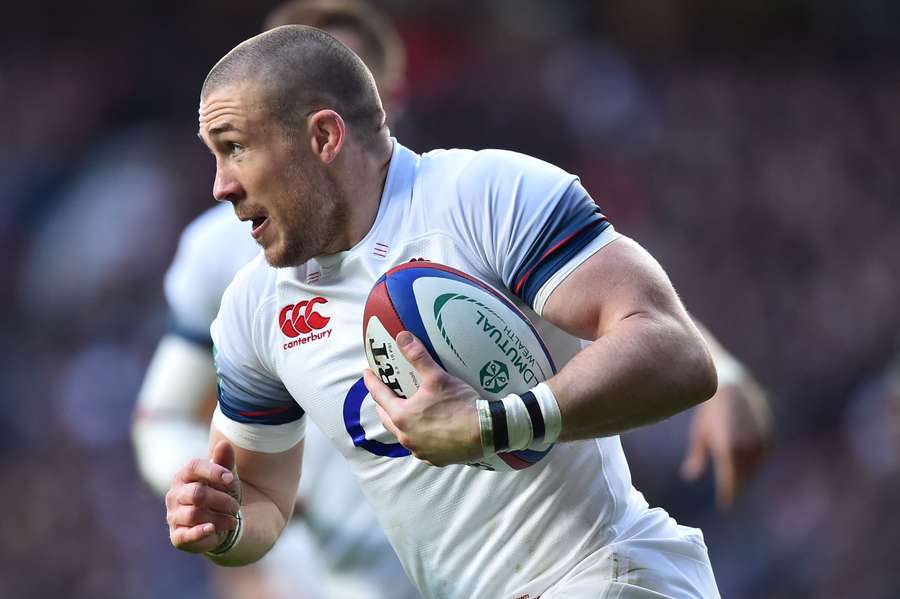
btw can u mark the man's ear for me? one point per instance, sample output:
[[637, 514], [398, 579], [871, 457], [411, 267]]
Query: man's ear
[[327, 134]]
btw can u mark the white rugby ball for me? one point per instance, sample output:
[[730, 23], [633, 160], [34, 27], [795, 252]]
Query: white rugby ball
[[470, 329]]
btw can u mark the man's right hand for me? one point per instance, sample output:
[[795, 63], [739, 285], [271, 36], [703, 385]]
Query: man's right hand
[[203, 501]]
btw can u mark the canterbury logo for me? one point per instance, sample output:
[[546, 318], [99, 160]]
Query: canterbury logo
[[302, 318]]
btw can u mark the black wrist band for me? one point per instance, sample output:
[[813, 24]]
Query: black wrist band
[[534, 412], [498, 421]]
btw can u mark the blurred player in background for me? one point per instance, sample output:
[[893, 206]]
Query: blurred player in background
[[171, 421], [335, 548]]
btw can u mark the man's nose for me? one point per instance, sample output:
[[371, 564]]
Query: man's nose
[[226, 188]]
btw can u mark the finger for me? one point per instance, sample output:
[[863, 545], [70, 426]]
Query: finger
[[383, 395], [207, 472], [417, 355], [190, 516], [207, 497], [194, 538], [747, 462], [387, 422], [695, 458], [726, 485]]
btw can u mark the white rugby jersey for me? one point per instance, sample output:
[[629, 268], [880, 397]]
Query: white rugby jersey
[[289, 343], [214, 247]]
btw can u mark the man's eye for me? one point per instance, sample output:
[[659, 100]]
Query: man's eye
[[235, 148]]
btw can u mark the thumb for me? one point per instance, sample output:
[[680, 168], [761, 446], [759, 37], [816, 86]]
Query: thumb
[[416, 353], [223, 455]]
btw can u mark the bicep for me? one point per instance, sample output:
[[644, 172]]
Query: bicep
[[619, 281], [275, 475]]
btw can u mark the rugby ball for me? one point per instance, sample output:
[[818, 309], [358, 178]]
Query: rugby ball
[[470, 329]]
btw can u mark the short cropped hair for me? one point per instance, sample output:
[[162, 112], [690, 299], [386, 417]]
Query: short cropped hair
[[382, 48], [301, 69]]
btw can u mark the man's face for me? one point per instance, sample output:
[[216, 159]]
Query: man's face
[[270, 176]]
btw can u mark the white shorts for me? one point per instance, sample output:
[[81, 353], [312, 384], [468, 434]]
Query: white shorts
[[656, 558]]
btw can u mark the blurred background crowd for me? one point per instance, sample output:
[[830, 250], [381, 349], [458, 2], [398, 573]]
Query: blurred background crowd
[[753, 147]]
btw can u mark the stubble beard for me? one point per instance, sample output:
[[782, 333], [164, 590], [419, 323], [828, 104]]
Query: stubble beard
[[310, 225]]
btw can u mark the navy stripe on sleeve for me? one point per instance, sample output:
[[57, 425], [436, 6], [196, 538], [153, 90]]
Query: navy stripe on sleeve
[[239, 411], [250, 396], [561, 248]]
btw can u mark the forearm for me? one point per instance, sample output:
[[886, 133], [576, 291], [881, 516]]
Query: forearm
[[645, 368], [268, 483], [648, 361]]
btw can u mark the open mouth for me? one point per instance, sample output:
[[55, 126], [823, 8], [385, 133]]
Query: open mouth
[[258, 226]]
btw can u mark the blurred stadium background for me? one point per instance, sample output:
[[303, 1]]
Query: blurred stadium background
[[753, 147]]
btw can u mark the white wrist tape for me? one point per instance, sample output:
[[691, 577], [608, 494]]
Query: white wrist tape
[[518, 423], [550, 412], [486, 426], [514, 422]]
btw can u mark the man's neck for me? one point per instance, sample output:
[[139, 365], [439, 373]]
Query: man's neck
[[365, 190]]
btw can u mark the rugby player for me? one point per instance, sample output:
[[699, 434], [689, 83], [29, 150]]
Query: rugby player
[[295, 123]]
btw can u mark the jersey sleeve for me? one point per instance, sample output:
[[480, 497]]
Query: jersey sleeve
[[533, 222], [255, 410]]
